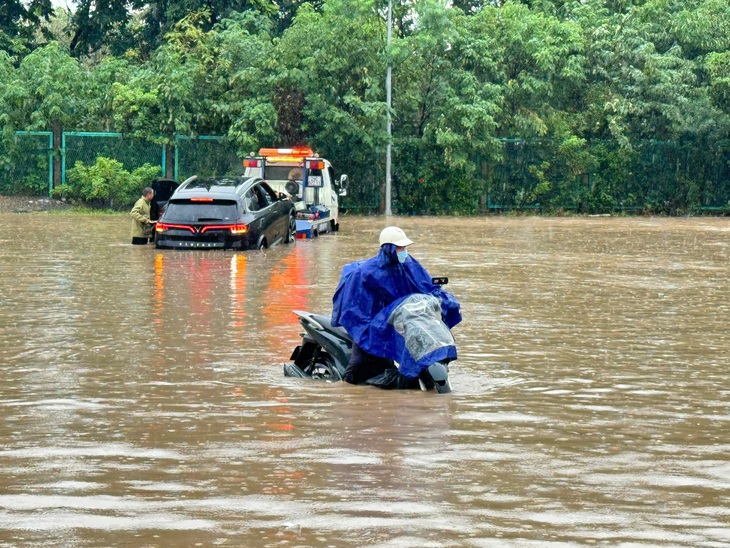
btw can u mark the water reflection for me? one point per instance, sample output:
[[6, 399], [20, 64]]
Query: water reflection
[[159, 308], [238, 295], [143, 401], [287, 289]]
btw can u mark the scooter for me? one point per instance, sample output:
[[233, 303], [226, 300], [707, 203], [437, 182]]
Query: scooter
[[420, 344]]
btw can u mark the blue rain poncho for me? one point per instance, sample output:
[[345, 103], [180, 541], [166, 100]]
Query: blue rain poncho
[[366, 298]]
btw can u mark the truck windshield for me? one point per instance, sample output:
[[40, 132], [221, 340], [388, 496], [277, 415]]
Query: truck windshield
[[185, 211], [281, 173]]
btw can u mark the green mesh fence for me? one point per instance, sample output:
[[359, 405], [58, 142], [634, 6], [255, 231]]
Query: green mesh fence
[[655, 176], [206, 156], [25, 164], [87, 147], [659, 176], [511, 183], [363, 195], [692, 173], [364, 188]]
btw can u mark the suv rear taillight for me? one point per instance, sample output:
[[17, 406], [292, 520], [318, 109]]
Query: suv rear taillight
[[235, 229], [162, 227]]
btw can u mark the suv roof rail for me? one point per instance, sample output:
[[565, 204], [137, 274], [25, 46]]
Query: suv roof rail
[[243, 180], [186, 182]]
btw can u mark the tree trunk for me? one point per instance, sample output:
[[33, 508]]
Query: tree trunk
[[58, 154], [169, 161]]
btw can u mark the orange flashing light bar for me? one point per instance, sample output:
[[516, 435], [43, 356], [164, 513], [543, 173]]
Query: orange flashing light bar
[[299, 152]]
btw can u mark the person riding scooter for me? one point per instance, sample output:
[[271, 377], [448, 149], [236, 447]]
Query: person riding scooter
[[367, 287]]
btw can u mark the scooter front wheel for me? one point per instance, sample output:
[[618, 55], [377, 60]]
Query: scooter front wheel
[[436, 376], [323, 368], [443, 387]]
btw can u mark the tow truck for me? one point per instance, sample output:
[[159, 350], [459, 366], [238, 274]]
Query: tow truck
[[308, 179]]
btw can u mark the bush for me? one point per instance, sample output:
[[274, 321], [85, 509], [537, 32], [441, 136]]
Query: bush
[[596, 201], [30, 185], [23, 166], [106, 184]]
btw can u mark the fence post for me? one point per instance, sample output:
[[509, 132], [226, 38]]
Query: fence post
[[62, 160], [171, 167], [50, 164], [175, 160], [58, 149]]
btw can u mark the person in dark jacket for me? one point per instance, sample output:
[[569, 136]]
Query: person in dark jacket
[[141, 224], [367, 287]]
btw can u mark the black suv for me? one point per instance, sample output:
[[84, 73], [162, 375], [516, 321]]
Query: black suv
[[226, 213]]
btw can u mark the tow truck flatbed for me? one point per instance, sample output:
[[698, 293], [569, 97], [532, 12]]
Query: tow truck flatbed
[[312, 228]]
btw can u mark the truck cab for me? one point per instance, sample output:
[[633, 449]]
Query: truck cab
[[308, 179]]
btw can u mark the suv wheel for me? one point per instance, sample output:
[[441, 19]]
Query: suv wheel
[[291, 234]]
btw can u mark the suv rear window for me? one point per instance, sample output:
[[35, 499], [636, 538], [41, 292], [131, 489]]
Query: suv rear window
[[207, 182], [185, 211]]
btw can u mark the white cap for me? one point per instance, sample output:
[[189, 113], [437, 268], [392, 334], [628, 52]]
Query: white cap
[[394, 235]]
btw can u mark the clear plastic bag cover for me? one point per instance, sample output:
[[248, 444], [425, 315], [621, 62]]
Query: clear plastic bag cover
[[418, 320]]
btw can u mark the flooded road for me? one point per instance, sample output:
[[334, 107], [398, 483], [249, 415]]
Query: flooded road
[[143, 402]]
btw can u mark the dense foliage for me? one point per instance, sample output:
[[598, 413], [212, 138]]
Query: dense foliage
[[588, 105], [106, 184]]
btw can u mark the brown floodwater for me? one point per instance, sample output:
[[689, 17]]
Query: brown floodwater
[[142, 400]]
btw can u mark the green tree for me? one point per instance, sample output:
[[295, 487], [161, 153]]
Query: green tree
[[718, 67], [444, 114], [7, 77], [123, 24], [287, 11], [106, 79], [534, 64], [644, 94], [19, 20], [47, 93], [336, 59], [165, 96], [243, 81], [96, 24], [468, 6]]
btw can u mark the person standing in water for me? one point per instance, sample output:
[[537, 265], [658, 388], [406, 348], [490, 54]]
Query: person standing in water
[[142, 226]]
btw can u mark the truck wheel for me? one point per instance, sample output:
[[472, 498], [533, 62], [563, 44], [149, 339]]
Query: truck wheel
[[335, 227]]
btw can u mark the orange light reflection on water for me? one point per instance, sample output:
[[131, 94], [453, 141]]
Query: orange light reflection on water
[[159, 292], [286, 291], [238, 291]]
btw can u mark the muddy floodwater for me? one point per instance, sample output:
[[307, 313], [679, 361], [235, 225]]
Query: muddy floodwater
[[142, 400]]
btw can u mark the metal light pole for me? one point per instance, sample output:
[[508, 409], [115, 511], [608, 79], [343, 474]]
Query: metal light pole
[[388, 210]]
